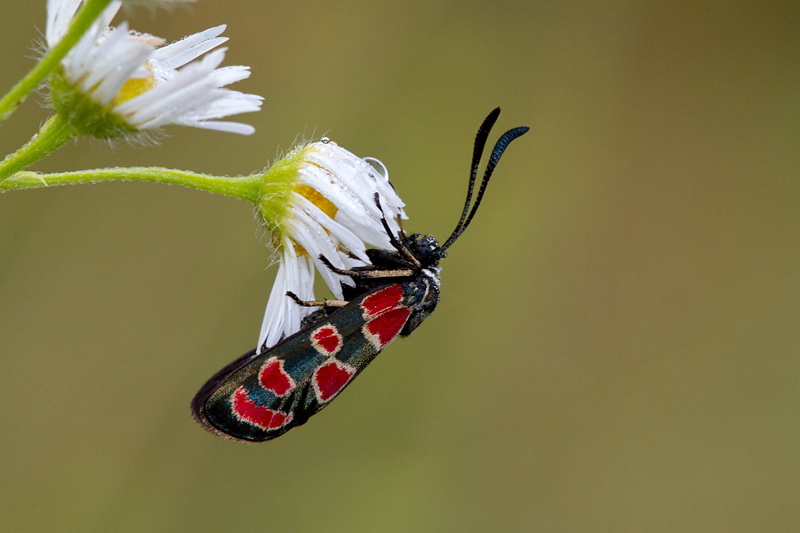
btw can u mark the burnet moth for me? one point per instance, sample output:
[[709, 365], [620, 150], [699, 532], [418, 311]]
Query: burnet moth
[[264, 394]]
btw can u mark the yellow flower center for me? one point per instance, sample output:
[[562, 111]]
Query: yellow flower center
[[133, 88], [313, 196]]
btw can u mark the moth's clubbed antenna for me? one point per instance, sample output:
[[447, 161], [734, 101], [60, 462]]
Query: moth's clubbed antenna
[[497, 152]]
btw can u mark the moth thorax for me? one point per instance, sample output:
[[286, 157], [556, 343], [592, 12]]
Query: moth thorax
[[433, 274]]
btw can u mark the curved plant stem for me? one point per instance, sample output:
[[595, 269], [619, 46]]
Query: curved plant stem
[[52, 136], [242, 187]]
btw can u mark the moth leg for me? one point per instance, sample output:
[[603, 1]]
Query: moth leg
[[399, 246], [321, 303], [342, 248], [366, 274]]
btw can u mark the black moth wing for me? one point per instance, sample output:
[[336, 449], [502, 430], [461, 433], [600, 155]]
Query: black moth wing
[[261, 396]]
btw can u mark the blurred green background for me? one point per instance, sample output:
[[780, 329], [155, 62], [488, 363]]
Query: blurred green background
[[617, 344]]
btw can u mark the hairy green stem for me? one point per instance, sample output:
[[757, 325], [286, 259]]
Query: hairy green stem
[[52, 136], [242, 187], [83, 19]]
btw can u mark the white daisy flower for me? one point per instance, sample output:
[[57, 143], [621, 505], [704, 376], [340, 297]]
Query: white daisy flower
[[320, 201], [115, 81]]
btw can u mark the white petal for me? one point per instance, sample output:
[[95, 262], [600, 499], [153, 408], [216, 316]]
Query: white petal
[[315, 242], [189, 48], [59, 15], [283, 316], [344, 235], [220, 125], [273, 325]]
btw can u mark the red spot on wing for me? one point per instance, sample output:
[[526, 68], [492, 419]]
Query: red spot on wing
[[383, 300], [260, 416], [330, 378], [327, 340], [382, 329], [274, 378]]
